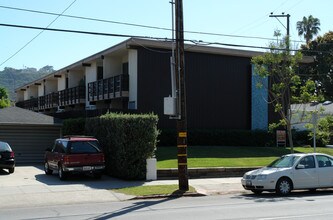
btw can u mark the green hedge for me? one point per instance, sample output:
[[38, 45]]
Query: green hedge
[[73, 126], [128, 140]]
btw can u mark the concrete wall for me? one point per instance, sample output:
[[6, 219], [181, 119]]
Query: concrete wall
[[19, 96], [41, 90], [51, 85], [32, 92], [74, 78], [91, 76], [26, 95], [133, 77], [62, 82], [111, 66]]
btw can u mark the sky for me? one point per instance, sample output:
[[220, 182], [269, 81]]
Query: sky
[[247, 22]]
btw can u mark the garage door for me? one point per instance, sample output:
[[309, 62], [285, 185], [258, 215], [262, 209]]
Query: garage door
[[29, 142]]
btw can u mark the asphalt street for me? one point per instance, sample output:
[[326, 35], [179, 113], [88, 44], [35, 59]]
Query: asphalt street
[[268, 206]]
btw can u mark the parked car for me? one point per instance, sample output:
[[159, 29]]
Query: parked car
[[7, 157], [75, 155], [293, 171]]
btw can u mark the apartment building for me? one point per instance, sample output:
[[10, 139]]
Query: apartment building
[[135, 75]]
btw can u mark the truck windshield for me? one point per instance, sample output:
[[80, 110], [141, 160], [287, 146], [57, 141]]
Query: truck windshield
[[285, 161], [79, 147]]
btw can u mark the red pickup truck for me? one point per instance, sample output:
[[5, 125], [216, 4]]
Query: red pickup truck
[[74, 155]]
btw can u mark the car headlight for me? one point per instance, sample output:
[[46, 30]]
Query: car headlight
[[261, 177]]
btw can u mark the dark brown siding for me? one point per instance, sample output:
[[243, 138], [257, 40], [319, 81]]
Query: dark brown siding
[[218, 89]]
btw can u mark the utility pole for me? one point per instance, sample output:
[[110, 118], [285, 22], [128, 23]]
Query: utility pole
[[181, 97], [288, 27]]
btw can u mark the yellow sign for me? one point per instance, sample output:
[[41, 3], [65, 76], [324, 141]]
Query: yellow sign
[[182, 134], [181, 145]]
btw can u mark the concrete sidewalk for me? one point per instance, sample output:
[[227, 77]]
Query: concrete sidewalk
[[209, 186], [29, 186]]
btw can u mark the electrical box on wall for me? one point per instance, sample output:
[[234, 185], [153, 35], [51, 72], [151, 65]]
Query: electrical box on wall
[[170, 106]]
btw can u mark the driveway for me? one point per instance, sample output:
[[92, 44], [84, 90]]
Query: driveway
[[29, 186]]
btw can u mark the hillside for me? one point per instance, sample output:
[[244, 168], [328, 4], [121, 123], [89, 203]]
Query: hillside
[[11, 78]]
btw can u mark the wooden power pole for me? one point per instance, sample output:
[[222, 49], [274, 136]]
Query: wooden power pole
[[181, 95]]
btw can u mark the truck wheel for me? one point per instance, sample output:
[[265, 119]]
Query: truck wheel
[[61, 173], [47, 169]]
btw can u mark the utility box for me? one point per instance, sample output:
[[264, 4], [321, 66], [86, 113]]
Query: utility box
[[151, 169], [170, 105]]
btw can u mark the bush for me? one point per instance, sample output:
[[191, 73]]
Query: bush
[[74, 126], [128, 140]]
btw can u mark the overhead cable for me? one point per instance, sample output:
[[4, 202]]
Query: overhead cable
[[138, 25], [146, 37], [37, 34]]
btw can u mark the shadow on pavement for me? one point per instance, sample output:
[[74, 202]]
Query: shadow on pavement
[[3, 172], [105, 182], [273, 197], [134, 207]]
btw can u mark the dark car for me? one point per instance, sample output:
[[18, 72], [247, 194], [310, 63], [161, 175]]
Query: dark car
[[7, 157], [75, 155]]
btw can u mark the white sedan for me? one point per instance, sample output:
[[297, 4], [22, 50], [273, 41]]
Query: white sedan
[[292, 171]]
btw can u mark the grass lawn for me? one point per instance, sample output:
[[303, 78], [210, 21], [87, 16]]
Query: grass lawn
[[152, 190], [220, 156]]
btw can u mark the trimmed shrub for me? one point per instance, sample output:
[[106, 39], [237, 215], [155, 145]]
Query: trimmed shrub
[[128, 140], [74, 126]]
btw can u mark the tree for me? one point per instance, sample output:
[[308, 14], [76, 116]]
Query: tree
[[285, 86], [46, 70], [308, 27], [3, 93], [321, 70], [4, 100]]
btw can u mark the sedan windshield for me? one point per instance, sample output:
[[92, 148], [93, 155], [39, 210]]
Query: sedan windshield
[[285, 161], [5, 147]]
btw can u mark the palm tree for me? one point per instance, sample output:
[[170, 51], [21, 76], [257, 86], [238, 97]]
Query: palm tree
[[308, 27]]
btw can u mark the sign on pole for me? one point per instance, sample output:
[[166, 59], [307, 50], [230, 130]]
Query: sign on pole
[[281, 138]]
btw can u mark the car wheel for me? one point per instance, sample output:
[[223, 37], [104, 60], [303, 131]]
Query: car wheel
[[257, 192], [283, 186], [47, 169], [11, 170], [61, 173]]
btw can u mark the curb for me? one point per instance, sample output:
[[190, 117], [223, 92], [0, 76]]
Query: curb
[[199, 173], [175, 195]]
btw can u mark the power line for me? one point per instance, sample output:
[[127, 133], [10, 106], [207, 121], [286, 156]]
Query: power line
[[77, 32], [149, 37], [139, 25], [24, 46]]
